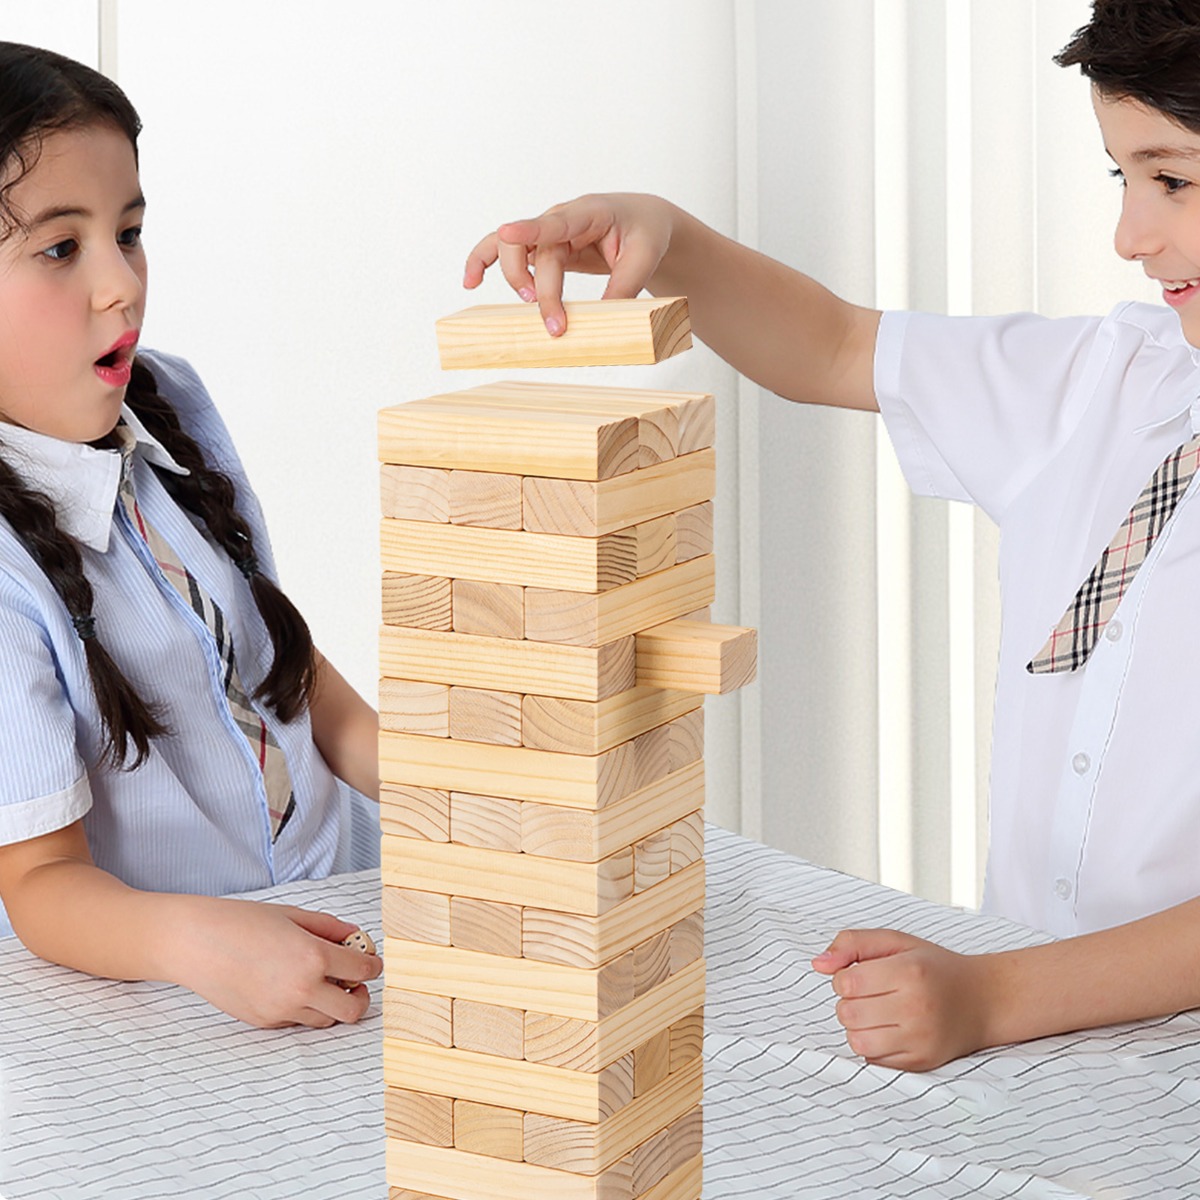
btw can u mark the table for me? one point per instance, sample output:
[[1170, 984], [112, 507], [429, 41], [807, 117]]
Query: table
[[144, 1091]]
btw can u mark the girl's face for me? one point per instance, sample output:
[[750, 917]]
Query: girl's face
[[72, 286]]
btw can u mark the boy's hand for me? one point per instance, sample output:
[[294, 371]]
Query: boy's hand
[[271, 965], [623, 236], [905, 1002]]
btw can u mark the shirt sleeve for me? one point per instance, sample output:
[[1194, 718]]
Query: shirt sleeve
[[975, 406]]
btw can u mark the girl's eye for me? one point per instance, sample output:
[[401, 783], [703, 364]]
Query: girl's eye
[[130, 238], [61, 251], [1117, 173], [1171, 183]]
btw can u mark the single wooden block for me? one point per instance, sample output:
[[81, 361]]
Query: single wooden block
[[576, 1146], [585, 888], [509, 1083], [547, 560], [651, 1062], [489, 1028], [414, 812], [652, 962], [465, 432], [418, 1117], [685, 1136], [693, 656], [583, 509], [651, 1161], [495, 610], [651, 860], [482, 715], [419, 601], [485, 925], [490, 1130], [687, 941], [409, 706], [687, 1040], [532, 668], [593, 726], [666, 748], [694, 532], [417, 1017], [555, 615], [414, 493], [549, 935], [656, 545], [599, 333], [416, 916], [585, 1045], [485, 498], [685, 1182], [558, 832], [489, 822], [687, 841]]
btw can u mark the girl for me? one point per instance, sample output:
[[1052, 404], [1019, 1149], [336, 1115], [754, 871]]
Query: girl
[[167, 729], [1095, 805]]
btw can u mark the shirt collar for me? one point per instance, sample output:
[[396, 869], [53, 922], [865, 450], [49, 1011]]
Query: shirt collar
[[80, 480]]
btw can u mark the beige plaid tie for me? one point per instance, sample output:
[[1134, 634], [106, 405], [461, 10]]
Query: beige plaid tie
[[280, 797], [1073, 638]]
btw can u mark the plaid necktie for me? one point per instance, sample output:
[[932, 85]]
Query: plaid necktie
[[280, 798], [1073, 638]]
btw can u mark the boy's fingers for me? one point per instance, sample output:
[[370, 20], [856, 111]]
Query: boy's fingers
[[548, 266], [861, 945], [323, 924], [478, 261], [630, 272], [514, 264]]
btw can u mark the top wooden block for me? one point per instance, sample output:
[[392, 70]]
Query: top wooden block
[[600, 333]]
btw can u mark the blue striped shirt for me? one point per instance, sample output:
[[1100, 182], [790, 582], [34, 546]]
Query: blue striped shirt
[[194, 817]]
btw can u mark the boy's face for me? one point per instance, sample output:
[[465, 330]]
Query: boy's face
[[1159, 161]]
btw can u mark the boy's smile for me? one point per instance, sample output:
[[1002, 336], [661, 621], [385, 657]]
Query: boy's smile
[[1158, 161], [72, 286]]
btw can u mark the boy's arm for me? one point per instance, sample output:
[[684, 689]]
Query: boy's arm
[[345, 729], [773, 324], [910, 1004]]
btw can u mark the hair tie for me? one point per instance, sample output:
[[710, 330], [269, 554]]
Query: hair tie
[[85, 627], [248, 565]]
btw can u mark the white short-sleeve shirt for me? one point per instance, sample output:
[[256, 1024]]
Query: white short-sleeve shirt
[[1053, 427]]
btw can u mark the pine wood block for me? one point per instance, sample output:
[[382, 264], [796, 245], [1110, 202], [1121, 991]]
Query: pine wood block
[[687, 1040], [534, 668], [685, 1182], [488, 1129], [585, 509], [651, 860], [656, 546], [651, 962], [420, 601], [547, 560], [687, 841], [419, 1117], [417, 1017], [489, 609], [599, 333], [485, 925], [398, 1193], [593, 726], [408, 706], [687, 941], [583, 993], [585, 1096], [582, 836], [414, 493], [572, 1145], [489, 1029], [482, 715], [459, 1175], [416, 916], [697, 657], [489, 822], [651, 1062], [549, 935], [667, 748], [694, 532], [584, 1045], [651, 1162], [461, 432], [484, 498], [414, 812], [555, 615], [685, 1137]]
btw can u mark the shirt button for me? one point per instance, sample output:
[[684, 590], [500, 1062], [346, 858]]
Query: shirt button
[[1113, 631], [1080, 763], [1062, 889]]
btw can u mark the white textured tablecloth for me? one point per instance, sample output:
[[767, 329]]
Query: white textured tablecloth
[[143, 1091]]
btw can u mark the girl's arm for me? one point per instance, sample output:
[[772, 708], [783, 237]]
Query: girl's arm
[[776, 326], [266, 964], [345, 729], [910, 1004]]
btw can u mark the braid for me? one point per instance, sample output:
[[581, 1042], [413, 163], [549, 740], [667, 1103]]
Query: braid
[[125, 716], [209, 495]]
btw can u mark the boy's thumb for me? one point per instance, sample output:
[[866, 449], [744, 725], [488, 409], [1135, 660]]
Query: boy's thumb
[[858, 945]]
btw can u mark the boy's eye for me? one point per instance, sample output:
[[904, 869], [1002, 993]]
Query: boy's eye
[[130, 237], [1170, 183], [61, 251]]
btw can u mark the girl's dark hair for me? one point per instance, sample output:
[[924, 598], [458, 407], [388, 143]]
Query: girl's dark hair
[[1145, 50], [42, 93]]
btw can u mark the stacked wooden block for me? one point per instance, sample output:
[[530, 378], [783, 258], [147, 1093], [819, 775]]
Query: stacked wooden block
[[541, 753]]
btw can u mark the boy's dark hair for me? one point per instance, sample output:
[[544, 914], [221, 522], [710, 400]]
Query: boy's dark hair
[[1145, 50], [42, 93]]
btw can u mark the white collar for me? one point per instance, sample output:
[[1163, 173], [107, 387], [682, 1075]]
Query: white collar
[[81, 480]]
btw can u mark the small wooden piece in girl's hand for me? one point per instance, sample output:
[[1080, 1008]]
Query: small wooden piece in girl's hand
[[358, 940]]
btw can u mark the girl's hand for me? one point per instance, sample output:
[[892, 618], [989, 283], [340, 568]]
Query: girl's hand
[[624, 236], [271, 965], [905, 1002]]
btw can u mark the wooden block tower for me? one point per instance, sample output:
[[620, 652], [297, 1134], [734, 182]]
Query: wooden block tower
[[545, 652]]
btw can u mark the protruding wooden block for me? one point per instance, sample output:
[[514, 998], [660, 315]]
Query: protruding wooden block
[[652, 1062], [417, 1017], [482, 715], [651, 860], [416, 916], [414, 493], [697, 657], [415, 812], [598, 333], [494, 610], [409, 706], [419, 1117], [490, 1130], [485, 498], [489, 1029], [687, 1039], [694, 532], [419, 601], [485, 925]]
